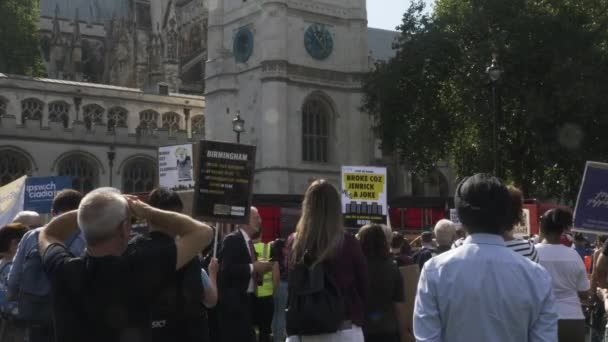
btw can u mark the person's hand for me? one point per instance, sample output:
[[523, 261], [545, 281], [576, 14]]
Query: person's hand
[[213, 267], [137, 207], [602, 294], [262, 267]]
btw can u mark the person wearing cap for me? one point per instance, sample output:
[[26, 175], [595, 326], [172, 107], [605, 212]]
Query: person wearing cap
[[427, 251], [482, 291]]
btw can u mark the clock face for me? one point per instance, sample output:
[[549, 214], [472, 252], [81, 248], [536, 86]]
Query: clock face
[[318, 41], [243, 45]]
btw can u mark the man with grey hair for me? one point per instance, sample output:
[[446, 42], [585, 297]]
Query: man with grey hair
[[31, 219], [106, 294], [445, 234]]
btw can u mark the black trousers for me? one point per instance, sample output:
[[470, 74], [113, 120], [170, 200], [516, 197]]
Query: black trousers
[[235, 321], [261, 312]]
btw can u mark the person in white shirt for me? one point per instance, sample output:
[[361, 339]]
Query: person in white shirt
[[482, 291], [567, 272]]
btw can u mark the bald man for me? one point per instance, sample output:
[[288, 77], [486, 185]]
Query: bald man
[[30, 219], [239, 272]]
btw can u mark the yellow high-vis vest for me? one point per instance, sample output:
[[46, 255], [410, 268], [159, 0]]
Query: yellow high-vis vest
[[263, 251]]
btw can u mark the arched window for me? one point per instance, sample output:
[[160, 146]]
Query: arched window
[[12, 166], [117, 117], [148, 122], [92, 114], [3, 106], [172, 40], [315, 130], [31, 109], [84, 172], [171, 121], [59, 111], [198, 125], [138, 176]]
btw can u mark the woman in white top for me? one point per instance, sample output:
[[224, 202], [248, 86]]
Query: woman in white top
[[568, 272]]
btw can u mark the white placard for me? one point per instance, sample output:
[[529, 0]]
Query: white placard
[[175, 167], [523, 229]]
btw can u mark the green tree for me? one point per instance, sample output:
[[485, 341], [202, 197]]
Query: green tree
[[19, 52], [433, 101]]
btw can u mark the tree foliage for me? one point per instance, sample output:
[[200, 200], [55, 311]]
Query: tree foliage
[[19, 52], [433, 100]]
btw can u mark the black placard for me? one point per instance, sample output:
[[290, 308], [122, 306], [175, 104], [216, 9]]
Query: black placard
[[225, 182]]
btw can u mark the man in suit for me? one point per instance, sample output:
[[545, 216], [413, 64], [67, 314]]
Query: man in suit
[[239, 273]]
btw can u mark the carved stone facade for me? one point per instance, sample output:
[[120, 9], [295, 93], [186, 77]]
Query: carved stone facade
[[131, 43], [51, 127]]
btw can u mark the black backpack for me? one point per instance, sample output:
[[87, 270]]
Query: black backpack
[[315, 304]]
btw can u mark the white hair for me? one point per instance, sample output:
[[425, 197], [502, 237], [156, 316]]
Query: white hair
[[99, 214], [388, 234], [445, 232], [28, 218]]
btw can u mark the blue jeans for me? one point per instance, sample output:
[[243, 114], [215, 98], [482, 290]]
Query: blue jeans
[[278, 319]]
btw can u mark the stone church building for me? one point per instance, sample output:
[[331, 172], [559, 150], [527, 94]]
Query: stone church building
[[127, 76]]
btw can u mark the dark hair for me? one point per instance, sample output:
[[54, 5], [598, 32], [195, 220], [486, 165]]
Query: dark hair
[[10, 232], [517, 206], [426, 237], [66, 200], [406, 248], [602, 239], [578, 236], [397, 241], [555, 221], [483, 204], [373, 242], [165, 199]]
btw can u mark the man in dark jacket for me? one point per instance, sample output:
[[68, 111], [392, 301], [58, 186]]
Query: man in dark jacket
[[239, 273]]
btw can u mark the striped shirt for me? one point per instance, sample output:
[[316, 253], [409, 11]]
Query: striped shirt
[[523, 247], [519, 246]]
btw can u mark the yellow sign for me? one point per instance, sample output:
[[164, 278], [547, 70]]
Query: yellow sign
[[361, 186]]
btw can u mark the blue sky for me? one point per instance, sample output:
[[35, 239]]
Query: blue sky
[[387, 14]]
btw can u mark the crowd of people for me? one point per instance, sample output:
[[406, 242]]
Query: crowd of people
[[87, 276]]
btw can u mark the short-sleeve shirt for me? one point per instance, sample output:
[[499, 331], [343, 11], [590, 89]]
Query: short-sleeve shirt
[[108, 298], [177, 312], [386, 289], [568, 278]]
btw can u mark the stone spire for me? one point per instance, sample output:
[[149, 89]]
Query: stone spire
[[76, 37], [56, 34]]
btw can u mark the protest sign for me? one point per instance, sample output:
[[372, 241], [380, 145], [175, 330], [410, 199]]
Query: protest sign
[[524, 228], [225, 182], [175, 167], [591, 212], [363, 195], [454, 216], [11, 200], [40, 192]]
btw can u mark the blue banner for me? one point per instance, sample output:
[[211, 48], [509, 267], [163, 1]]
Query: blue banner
[[40, 191], [591, 212]]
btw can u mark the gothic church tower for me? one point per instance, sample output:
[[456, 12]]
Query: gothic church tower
[[293, 70]]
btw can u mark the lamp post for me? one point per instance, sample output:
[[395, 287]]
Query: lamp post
[[494, 73], [238, 126], [187, 117], [111, 156], [77, 103]]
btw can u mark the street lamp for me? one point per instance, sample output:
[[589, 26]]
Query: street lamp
[[494, 73], [238, 126], [111, 155]]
